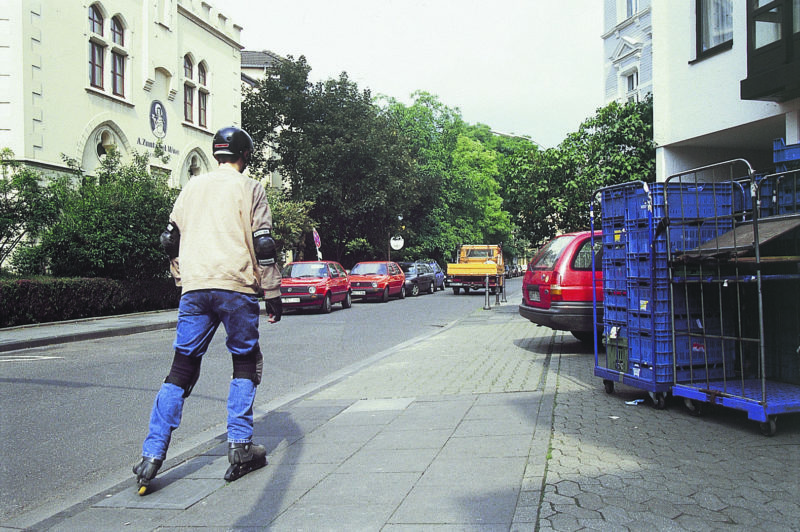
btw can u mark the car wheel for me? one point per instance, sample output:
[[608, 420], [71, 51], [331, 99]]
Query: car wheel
[[415, 290], [466, 290], [402, 292], [432, 286], [327, 307], [347, 302], [456, 290], [385, 297]]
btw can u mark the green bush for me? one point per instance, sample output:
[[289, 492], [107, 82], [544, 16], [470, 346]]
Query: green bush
[[24, 301], [108, 224]]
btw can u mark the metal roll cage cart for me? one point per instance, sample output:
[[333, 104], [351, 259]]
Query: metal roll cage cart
[[735, 295], [634, 298]]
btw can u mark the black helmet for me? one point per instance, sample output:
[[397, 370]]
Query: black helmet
[[233, 141]]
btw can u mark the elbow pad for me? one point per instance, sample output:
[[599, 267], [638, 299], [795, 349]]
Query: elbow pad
[[171, 240], [266, 250]]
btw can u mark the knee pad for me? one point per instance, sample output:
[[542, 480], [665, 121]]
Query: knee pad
[[249, 366], [184, 372]]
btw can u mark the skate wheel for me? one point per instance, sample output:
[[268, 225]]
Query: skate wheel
[[142, 490]]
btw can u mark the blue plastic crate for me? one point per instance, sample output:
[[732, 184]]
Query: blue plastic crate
[[661, 374], [637, 205], [784, 153], [613, 270], [642, 240], [614, 252], [650, 349], [640, 322], [615, 236], [613, 203], [640, 268], [789, 194], [701, 200], [648, 297], [693, 350], [614, 313], [649, 323]]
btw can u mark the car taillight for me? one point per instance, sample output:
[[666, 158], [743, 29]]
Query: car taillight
[[555, 288], [555, 292]]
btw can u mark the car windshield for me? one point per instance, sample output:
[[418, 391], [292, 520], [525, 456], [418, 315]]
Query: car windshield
[[409, 268], [307, 270], [549, 254], [368, 269]]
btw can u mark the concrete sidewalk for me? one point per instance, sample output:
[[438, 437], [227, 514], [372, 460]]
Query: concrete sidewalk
[[37, 335], [490, 424]]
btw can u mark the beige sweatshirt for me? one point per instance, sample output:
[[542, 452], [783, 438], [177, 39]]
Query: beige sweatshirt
[[216, 214]]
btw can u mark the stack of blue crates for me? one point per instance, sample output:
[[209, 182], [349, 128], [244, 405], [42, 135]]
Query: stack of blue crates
[[637, 299], [782, 192]]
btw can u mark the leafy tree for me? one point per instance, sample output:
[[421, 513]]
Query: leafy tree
[[615, 146], [26, 205], [108, 224], [291, 221], [548, 191], [338, 152]]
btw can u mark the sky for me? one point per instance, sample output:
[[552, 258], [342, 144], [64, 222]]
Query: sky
[[523, 67]]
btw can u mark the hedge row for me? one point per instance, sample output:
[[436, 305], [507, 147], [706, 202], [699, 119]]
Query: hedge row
[[24, 301]]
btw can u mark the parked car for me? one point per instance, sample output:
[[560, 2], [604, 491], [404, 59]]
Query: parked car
[[438, 274], [377, 280], [557, 287], [419, 278], [315, 284]]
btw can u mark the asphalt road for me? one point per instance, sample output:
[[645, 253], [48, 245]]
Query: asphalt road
[[74, 415]]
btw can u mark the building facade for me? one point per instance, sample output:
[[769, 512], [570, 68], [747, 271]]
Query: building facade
[[80, 78], [726, 77], [628, 50]]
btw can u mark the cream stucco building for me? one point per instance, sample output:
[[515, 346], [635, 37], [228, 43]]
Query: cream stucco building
[[79, 77], [726, 77]]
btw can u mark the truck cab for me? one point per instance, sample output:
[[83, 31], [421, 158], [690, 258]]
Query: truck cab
[[476, 264]]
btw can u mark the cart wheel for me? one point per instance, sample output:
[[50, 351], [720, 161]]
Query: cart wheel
[[608, 385], [768, 428], [695, 408], [659, 400]]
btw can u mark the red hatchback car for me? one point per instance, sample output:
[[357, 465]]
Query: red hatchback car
[[377, 280], [315, 284], [557, 287]]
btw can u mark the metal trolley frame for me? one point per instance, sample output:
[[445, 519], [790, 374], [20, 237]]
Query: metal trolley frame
[[734, 296]]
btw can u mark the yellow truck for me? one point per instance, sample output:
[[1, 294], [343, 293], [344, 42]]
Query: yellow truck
[[475, 263]]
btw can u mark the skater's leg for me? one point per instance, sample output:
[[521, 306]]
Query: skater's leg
[[164, 418], [239, 313], [241, 395]]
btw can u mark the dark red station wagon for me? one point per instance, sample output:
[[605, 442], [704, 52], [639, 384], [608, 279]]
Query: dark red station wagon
[[557, 287]]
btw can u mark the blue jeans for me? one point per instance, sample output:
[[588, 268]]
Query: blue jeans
[[199, 315]]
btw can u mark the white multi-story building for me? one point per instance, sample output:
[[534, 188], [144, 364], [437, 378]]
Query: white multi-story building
[[628, 50], [81, 77], [726, 78]]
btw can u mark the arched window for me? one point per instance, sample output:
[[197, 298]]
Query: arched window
[[95, 20], [97, 49], [117, 32], [188, 89], [187, 67], [118, 57], [202, 96]]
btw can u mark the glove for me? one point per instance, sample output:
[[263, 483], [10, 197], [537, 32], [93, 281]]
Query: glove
[[274, 309]]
